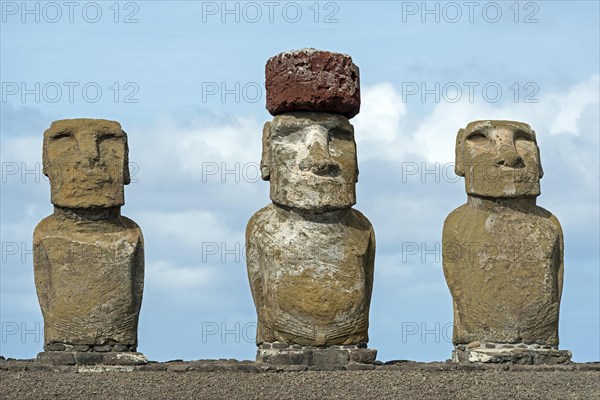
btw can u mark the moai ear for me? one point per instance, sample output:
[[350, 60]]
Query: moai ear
[[540, 165], [355, 155], [45, 159], [126, 174], [459, 167], [537, 148], [45, 156], [356, 163], [265, 161]]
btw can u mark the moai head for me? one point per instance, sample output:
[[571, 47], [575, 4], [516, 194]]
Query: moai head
[[86, 161], [309, 152], [498, 159]]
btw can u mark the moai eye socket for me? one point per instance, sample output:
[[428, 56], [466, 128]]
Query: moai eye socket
[[340, 134], [477, 136], [523, 135], [107, 136], [61, 135]]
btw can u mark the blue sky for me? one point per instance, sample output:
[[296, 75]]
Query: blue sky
[[194, 148]]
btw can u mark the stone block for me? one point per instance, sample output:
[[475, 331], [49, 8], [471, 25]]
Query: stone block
[[56, 358], [312, 80]]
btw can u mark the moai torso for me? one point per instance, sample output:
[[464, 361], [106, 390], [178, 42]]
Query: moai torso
[[89, 278], [88, 259], [502, 254], [505, 271], [311, 279], [310, 255]]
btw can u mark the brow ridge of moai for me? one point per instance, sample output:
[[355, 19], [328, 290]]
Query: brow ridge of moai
[[310, 255], [88, 258], [502, 253]]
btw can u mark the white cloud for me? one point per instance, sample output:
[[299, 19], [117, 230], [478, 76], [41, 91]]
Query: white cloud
[[380, 114], [191, 228], [380, 133], [166, 276], [378, 126], [572, 104], [174, 149]]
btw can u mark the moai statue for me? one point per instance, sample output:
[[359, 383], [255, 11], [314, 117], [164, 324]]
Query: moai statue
[[310, 255], [503, 255], [88, 259]]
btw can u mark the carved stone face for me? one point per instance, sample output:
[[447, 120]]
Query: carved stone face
[[310, 159], [498, 159], [87, 163]]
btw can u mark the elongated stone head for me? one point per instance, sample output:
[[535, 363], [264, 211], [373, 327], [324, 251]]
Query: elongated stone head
[[310, 159], [309, 151], [86, 161], [498, 159]]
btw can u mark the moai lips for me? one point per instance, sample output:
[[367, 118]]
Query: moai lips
[[503, 255]]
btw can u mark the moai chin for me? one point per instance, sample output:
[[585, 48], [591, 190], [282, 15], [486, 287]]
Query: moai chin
[[88, 259], [503, 255], [310, 255]]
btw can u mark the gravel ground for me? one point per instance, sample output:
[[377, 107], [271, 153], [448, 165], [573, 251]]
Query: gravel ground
[[405, 384]]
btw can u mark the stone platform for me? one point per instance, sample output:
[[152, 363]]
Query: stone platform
[[514, 353], [231, 379], [91, 358], [284, 354], [232, 365]]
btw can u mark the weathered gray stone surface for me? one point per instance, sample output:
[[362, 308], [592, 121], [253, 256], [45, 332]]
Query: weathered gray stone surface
[[511, 353], [310, 256], [91, 358], [502, 254], [311, 277], [272, 353], [88, 259], [50, 362]]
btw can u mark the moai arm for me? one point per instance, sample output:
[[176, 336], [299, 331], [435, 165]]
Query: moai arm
[[139, 265], [451, 252], [255, 276], [560, 256], [41, 268], [370, 265], [452, 256]]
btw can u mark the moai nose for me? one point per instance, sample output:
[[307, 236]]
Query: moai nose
[[318, 160], [507, 155], [89, 148]]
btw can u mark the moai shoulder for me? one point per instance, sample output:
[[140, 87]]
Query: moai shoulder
[[503, 254], [88, 258]]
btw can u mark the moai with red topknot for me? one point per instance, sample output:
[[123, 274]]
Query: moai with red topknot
[[310, 255]]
